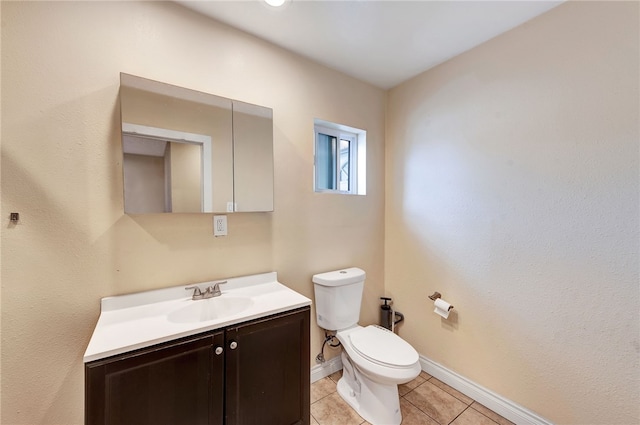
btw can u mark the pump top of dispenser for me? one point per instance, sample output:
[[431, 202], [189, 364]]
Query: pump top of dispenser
[[385, 305]]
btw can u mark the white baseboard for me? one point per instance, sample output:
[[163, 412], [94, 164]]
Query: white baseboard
[[321, 370], [502, 406]]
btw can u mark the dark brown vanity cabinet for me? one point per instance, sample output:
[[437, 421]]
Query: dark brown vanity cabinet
[[176, 383], [253, 373]]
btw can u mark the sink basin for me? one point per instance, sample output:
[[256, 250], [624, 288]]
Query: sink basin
[[210, 309]]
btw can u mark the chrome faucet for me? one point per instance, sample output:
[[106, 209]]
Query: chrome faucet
[[197, 293], [210, 292], [215, 289]]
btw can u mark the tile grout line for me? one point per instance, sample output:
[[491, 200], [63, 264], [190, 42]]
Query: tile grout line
[[452, 395], [423, 412], [471, 406], [459, 414], [419, 409], [477, 411], [434, 419], [326, 395]]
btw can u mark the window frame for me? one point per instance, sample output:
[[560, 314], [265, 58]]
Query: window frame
[[357, 161], [354, 142]]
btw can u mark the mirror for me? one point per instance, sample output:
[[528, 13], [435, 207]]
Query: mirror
[[186, 151], [252, 143]]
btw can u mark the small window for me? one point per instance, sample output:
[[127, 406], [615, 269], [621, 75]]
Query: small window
[[340, 159]]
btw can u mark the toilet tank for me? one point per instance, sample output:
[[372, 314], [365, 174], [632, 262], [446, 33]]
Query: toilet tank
[[338, 296]]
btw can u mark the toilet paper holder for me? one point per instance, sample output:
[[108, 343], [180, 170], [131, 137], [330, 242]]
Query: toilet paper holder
[[437, 295]]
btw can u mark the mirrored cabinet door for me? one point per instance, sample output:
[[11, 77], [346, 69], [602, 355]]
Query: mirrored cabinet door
[[252, 157], [180, 153]]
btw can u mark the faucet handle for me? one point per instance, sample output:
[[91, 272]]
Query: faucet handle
[[197, 293], [215, 289]]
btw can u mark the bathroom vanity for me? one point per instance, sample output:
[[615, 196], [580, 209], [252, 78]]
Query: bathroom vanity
[[158, 359]]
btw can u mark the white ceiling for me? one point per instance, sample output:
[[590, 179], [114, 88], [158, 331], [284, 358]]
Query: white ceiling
[[381, 42]]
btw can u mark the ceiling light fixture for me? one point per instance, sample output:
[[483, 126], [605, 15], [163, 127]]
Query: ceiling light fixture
[[275, 3]]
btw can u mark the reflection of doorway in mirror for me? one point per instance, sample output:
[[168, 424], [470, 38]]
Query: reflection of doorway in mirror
[[166, 170]]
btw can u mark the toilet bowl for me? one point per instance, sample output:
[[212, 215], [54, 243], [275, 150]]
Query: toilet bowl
[[374, 359]]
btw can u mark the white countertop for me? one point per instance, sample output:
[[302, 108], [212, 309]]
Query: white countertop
[[130, 322]]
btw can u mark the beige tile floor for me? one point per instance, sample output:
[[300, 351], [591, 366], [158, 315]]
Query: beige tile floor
[[423, 401]]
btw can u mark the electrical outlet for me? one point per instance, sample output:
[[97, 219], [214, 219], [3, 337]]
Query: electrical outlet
[[220, 225]]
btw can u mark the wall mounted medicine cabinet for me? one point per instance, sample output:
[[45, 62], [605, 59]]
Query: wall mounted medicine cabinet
[[186, 151], [252, 373]]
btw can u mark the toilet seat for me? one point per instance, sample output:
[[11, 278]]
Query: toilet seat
[[383, 347]]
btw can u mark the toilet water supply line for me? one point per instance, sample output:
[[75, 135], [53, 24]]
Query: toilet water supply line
[[327, 338]]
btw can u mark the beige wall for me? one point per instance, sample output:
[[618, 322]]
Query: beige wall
[[512, 188], [252, 185], [186, 177], [62, 170], [145, 185]]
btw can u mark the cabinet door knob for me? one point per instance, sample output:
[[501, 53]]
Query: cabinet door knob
[[219, 350], [233, 345]]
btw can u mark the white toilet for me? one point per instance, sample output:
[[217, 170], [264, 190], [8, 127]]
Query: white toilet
[[374, 359]]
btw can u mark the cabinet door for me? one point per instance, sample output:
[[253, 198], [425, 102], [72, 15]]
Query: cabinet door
[[268, 371], [179, 383]]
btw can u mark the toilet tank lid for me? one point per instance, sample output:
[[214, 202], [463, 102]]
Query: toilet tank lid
[[340, 277]]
